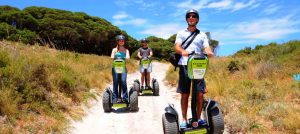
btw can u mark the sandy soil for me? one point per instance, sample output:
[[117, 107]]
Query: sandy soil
[[148, 120]]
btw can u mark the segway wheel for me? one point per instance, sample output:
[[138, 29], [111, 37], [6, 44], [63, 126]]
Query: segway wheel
[[133, 105], [136, 86], [216, 121], [156, 88], [170, 124], [106, 102]]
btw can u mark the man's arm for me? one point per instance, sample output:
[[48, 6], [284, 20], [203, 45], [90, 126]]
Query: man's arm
[[208, 52], [139, 54], [127, 54], [113, 53], [180, 50], [151, 54]]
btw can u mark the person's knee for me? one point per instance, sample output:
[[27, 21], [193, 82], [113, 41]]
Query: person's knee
[[200, 96], [185, 96]]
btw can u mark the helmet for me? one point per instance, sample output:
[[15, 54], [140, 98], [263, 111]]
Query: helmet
[[144, 40], [191, 11], [120, 37]]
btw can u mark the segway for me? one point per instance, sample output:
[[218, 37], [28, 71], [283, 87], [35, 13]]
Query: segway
[[107, 100], [197, 66], [145, 64]]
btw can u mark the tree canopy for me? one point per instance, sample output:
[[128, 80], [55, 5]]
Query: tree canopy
[[74, 31]]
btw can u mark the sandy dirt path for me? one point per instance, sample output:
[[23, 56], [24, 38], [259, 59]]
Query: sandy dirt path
[[148, 120]]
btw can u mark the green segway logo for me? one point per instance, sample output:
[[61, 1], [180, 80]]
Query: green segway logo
[[145, 63], [197, 68], [119, 66]]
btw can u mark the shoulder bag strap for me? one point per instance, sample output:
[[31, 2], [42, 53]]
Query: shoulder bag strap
[[188, 44], [187, 38]]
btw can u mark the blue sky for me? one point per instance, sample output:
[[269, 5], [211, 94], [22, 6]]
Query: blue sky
[[236, 24]]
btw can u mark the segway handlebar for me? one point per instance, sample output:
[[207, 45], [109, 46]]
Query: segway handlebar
[[197, 53]]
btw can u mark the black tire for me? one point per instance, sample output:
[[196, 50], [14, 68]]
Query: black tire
[[106, 102], [216, 121], [156, 88], [170, 124], [134, 101], [136, 86]]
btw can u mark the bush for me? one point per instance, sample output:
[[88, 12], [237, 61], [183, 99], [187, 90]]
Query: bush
[[235, 65], [266, 69], [4, 59], [274, 111], [25, 36], [6, 30], [238, 122]]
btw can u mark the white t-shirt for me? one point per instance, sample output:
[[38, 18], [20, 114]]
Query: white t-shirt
[[199, 43], [115, 50]]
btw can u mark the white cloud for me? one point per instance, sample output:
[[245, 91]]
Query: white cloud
[[271, 9], [137, 21], [164, 30], [122, 18], [261, 29], [240, 5], [219, 5], [189, 4], [120, 15]]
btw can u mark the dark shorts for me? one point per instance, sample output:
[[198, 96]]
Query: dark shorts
[[184, 83]]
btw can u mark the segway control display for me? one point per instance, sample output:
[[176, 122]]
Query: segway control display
[[119, 66], [145, 63], [197, 67]]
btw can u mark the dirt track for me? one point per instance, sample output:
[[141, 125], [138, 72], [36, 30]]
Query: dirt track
[[148, 120]]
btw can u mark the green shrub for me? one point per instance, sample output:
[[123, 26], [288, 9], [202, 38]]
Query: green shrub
[[273, 111], [25, 36], [4, 59], [9, 101], [266, 69], [238, 122]]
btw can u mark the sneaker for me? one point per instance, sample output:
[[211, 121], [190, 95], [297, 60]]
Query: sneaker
[[202, 122], [183, 125]]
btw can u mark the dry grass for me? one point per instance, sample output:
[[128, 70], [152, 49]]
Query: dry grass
[[42, 87], [261, 97]]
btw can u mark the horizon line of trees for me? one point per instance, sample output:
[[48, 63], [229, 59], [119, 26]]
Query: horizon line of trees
[[73, 31]]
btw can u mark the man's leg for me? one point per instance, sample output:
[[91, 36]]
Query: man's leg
[[199, 104], [124, 87], [142, 78], [201, 87], [184, 105], [148, 79], [184, 84], [115, 86]]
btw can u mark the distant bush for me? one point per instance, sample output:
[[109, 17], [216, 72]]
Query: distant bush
[[4, 59], [235, 65], [274, 111], [265, 69], [25, 36]]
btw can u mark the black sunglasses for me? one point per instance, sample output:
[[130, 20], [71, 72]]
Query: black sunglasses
[[191, 16]]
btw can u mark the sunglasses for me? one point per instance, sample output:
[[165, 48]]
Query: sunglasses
[[191, 16]]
